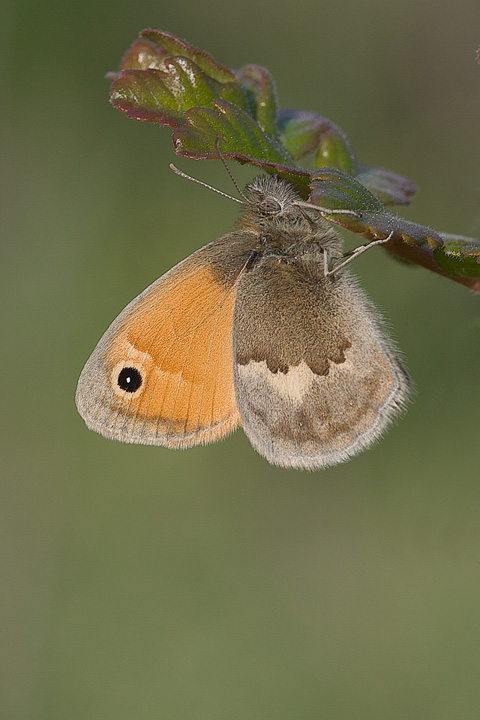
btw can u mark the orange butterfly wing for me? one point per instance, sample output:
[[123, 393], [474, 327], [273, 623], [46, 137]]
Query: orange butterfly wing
[[163, 372]]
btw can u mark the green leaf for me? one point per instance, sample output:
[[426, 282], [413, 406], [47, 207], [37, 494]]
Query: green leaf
[[364, 213], [388, 187], [305, 133], [167, 81], [336, 190], [259, 88], [163, 96], [451, 255], [142, 55], [167, 45], [240, 138], [460, 256], [143, 95]]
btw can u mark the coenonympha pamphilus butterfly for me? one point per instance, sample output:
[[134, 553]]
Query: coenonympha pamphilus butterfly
[[263, 328]]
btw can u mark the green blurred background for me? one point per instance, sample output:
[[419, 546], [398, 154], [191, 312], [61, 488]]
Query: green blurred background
[[139, 582]]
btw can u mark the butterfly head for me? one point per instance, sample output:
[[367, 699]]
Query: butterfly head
[[274, 209]]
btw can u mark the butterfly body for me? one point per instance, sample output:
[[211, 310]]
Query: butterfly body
[[251, 330]]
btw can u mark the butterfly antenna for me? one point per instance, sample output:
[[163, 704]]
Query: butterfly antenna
[[200, 182], [222, 158], [327, 211]]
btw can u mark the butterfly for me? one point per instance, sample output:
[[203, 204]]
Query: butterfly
[[263, 328]]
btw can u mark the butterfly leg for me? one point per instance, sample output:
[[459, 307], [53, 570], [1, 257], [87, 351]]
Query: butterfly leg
[[353, 255]]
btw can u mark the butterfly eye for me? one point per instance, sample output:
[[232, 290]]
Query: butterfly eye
[[269, 205], [129, 379]]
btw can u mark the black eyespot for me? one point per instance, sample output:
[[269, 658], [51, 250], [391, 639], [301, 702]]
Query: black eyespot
[[129, 379]]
